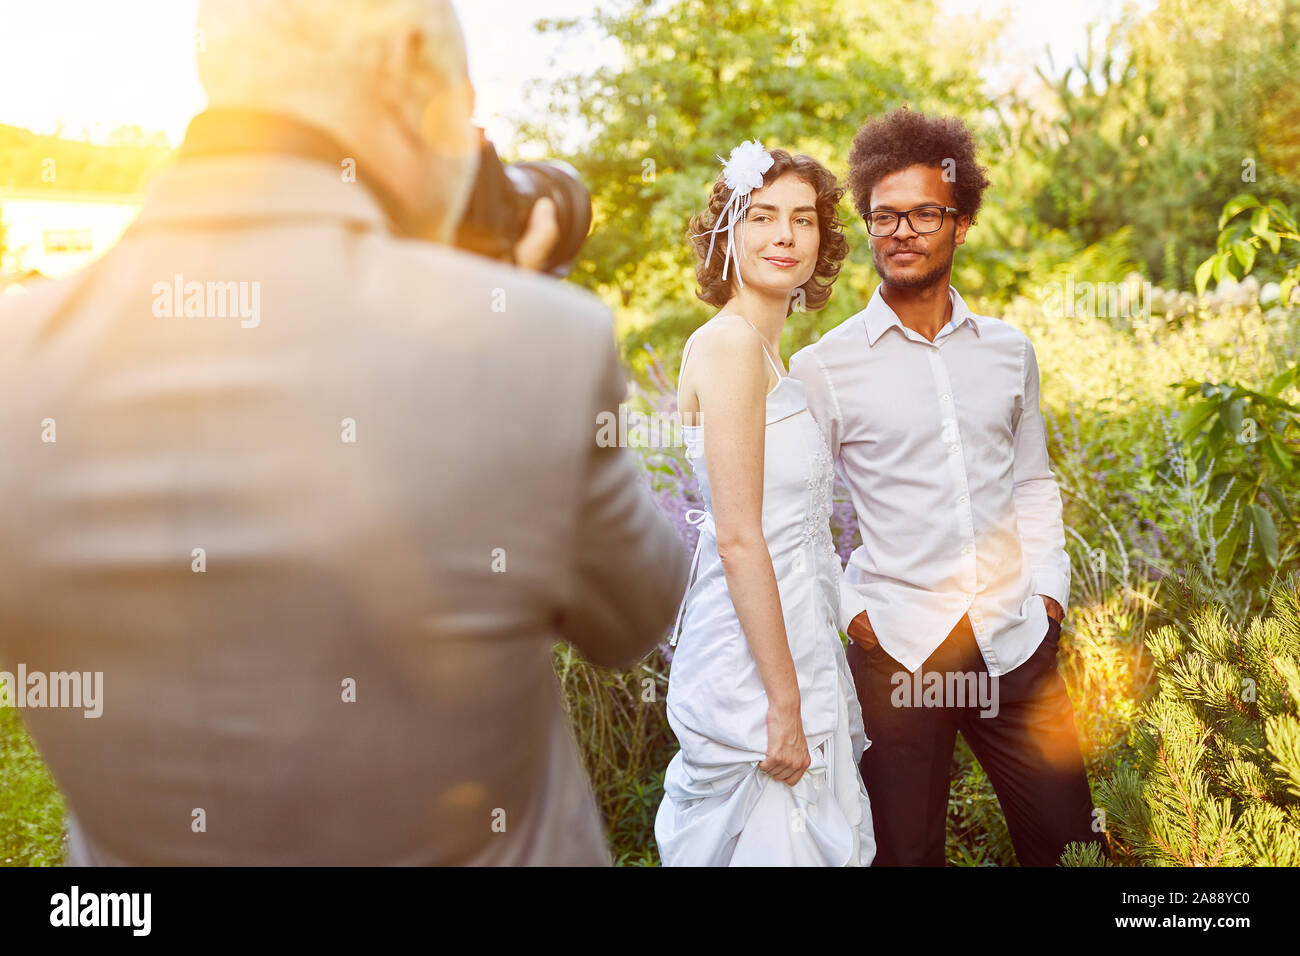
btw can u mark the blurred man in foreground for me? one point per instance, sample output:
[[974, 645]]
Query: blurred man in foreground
[[316, 495]]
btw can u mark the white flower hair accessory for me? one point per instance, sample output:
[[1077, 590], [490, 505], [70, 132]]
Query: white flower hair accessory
[[745, 169], [743, 173]]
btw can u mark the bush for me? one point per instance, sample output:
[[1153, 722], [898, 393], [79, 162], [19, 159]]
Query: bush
[[1217, 782]]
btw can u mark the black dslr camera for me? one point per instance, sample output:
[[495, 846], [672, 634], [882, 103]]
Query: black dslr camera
[[503, 197]]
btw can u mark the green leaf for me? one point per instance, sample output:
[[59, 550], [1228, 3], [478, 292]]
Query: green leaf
[[1282, 214], [1228, 550], [1245, 254], [1259, 221], [1266, 532], [1278, 499], [1284, 290], [1219, 482], [1218, 435], [1203, 274], [1235, 205], [1196, 418], [1232, 416], [1283, 379], [1278, 456], [1273, 239], [1223, 513], [1222, 266]]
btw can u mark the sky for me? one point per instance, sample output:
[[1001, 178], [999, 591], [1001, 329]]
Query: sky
[[92, 66]]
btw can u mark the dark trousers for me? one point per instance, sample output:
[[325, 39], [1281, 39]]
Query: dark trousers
[[1029, 750]]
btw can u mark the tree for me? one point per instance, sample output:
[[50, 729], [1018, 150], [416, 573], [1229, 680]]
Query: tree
[[1218, 775], [1167, 120], [36, 161]]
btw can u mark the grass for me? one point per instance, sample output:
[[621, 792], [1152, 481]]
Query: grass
[[31, 808]]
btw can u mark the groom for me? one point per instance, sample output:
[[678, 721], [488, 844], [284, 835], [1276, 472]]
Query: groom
[[962, 579]]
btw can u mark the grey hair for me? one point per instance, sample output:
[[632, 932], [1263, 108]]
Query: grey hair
[[303, 56]]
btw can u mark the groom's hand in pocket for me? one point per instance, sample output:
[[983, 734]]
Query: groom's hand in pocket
[[1054, 610], [861, 633]]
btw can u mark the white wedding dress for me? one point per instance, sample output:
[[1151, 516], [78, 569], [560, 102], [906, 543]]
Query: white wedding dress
[[719, 809]]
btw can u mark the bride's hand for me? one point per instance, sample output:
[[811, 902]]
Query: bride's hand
[[787, 750]]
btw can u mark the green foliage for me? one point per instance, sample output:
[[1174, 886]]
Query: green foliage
[[1084, 854], [1135, 494], [31, 808], [621, 727], [1164, 121], [1249, 440], [1250, 443], [1137, 515], [1218, 775], [35, 161], [977, 829], [1088, 281], [1270, 223]]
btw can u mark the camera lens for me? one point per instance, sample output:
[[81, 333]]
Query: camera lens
[[558, 181], [496, 216]]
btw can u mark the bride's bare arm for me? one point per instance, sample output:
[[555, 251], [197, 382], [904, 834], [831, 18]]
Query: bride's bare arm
[[732, 381]]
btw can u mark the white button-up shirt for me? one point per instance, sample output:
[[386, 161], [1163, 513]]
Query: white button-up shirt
[[944, 452]]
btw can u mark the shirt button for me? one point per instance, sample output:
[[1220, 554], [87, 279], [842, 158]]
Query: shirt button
[[952, 448], [962, 499], [965, 550], [947, 397]]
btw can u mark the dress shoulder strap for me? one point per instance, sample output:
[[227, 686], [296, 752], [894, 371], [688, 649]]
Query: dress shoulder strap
[[686, 351], [763, 342], [690, 340]]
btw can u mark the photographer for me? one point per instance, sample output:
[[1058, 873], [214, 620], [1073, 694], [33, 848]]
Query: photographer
[[315, 491]]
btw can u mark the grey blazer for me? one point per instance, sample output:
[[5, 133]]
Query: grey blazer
[[317, 502]]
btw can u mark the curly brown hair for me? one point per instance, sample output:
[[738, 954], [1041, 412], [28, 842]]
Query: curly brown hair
[[833, 246], [906, 138]]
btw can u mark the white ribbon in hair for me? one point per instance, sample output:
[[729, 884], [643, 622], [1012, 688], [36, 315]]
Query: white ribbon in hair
[[743, 172]]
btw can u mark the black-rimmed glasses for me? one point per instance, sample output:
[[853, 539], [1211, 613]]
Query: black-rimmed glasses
[[923, 220]]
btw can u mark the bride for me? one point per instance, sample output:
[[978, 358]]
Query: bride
[[760, 696]]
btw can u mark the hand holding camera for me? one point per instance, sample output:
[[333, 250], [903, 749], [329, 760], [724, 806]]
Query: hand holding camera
[[535, 214]]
